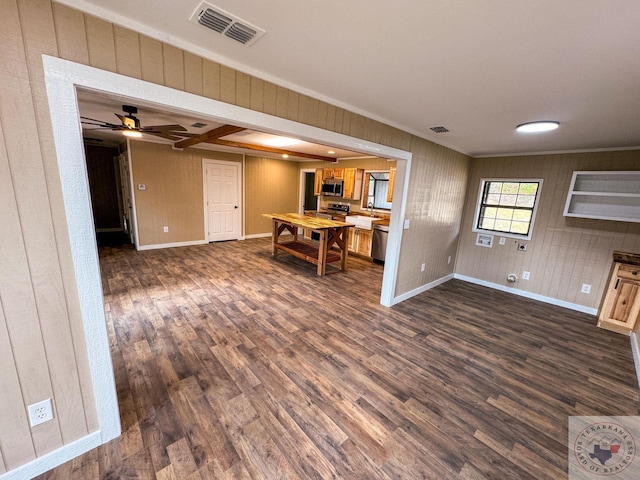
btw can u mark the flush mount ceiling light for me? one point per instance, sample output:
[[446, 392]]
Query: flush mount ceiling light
[[280, 142], [537, 127]]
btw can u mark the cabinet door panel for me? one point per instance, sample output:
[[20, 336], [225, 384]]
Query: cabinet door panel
[[625, 298]]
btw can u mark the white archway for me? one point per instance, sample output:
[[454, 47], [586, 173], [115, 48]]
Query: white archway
[[62, 77]]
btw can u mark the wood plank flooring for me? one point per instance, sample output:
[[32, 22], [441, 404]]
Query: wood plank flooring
[[231, 364]]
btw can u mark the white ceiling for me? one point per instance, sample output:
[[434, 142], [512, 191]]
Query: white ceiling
[[479, 68]]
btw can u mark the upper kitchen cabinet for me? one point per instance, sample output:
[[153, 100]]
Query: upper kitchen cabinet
[[392, 182], [333, 174], [353, 183], [604, 195]]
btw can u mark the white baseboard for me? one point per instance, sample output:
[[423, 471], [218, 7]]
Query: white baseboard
[[171, 245], [635, 349], [523, 293], [419, 290], [53, 459]]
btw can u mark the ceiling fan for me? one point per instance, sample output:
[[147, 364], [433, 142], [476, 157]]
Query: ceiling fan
[[130, 126]]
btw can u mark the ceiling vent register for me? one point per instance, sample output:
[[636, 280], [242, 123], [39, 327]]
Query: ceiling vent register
[[226, 24], [439, 129]]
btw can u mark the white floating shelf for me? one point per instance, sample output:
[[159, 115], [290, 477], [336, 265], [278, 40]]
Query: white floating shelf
[[604, 196]]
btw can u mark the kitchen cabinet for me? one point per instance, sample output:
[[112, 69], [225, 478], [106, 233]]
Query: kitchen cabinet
[[360, 241], [392, 182], [317, 182], [621, 304], [352, 189], [608, 195], [333, 174]]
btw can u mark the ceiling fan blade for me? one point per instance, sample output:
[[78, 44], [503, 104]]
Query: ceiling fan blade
[[93, 121], [171, 128], [167, 135]]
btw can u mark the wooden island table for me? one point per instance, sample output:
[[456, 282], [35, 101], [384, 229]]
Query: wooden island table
[[332, 233]]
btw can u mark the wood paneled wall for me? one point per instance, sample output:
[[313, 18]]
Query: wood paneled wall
[[272, 186], [437, 190], [563, 252], [39, 315]]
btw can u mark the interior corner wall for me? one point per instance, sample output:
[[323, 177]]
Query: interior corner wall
[[564, 252], [271, 186]]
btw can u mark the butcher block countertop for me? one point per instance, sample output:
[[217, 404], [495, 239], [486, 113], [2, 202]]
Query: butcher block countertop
[[306, 221]]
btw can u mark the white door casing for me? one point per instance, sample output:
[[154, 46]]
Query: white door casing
[[222, 200]]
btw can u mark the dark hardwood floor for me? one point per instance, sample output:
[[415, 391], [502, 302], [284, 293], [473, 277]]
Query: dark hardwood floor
[[232, 364]]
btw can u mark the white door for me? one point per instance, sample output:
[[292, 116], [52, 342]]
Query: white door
[[222, 181]]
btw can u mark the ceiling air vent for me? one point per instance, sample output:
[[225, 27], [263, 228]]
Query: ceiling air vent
[[439, 129], [226, 24]]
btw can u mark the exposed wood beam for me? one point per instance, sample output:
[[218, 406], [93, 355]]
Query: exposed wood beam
[[262, 148], [222, 131]]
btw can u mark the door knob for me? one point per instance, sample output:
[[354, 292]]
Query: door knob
[[235, 206]]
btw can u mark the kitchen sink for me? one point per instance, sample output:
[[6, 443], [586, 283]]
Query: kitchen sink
[[361, 221]]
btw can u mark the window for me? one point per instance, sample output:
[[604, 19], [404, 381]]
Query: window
[[376, 188], [507, 207]]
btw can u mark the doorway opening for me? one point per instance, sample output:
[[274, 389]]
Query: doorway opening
[[62, 77]]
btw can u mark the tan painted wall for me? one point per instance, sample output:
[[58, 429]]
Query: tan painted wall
[[272, 186], [174, 191], [42, 349], [563, 252]]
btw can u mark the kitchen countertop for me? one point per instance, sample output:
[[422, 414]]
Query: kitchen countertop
[[307, 221]]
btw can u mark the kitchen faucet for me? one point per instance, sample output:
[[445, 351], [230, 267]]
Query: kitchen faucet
[[370, 207]]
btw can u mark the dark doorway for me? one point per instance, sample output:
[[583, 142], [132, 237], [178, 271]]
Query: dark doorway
[[310, 200]]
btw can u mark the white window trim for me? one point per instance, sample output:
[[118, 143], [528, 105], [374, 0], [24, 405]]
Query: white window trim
[[497, 233]]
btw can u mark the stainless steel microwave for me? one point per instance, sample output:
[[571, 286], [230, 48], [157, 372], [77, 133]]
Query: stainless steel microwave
[[332, 188]]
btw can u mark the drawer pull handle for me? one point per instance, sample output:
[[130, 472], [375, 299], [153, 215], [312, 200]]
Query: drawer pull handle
[[617, 282], [634, 273]]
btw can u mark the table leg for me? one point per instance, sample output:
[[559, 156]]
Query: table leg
[[344, 251], [322, 252], [274, 238]]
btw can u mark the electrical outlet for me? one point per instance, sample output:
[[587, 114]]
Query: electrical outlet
[[525, 275], [40, 412], [165, 229], [449, 260], [422, 267], [503, 240], [586, 288]]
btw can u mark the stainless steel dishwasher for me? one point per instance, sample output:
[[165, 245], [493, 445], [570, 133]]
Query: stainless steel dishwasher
[[379, 243]]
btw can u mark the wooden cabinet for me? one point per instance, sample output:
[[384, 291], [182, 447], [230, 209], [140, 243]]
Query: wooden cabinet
[[352, 189], [360, 241], [392, 183], [621, 305], [605, 195], [333, 173], [317, 182]]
